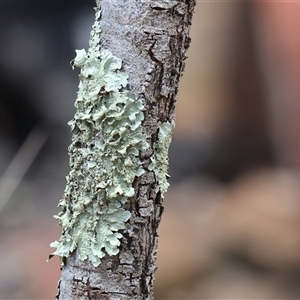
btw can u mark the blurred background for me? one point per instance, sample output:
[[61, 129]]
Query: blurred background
[[231, 227]]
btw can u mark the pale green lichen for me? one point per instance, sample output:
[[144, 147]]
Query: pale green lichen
[[106, 141], [160, 160]]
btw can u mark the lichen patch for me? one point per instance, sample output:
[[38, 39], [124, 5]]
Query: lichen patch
[[160, 159], [106, 141]]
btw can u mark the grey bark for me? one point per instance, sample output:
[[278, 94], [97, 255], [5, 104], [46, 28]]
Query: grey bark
[[151, 38]]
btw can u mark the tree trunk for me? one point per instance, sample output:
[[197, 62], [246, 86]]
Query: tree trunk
[[109, 244]]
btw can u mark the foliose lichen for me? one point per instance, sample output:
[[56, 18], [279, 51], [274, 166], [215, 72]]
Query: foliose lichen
[[160, 160], [104, 156]]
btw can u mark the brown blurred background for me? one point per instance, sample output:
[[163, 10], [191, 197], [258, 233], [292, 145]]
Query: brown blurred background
[[231, 227]]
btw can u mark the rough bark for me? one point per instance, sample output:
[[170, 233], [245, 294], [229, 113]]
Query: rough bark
[[151, 38]]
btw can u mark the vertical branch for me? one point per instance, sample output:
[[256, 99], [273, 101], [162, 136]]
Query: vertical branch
[[121, 132]]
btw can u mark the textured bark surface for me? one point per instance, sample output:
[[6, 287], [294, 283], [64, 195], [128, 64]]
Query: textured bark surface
[[151, 38]]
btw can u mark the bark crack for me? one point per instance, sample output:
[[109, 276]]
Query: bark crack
[[159, 66]]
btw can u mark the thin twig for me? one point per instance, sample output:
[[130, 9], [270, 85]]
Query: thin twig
[[21, 162]]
